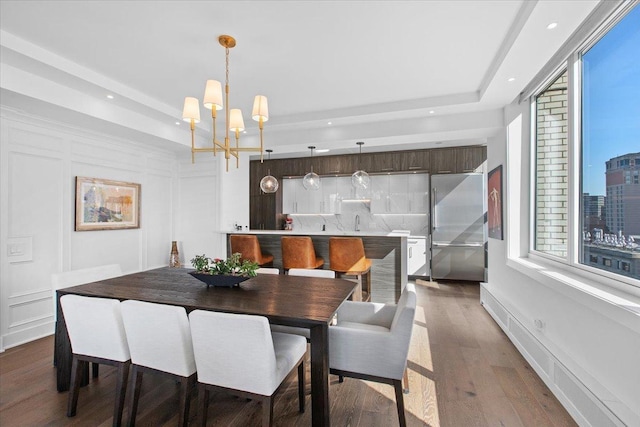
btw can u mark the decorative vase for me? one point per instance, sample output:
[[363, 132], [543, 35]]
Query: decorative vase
[[222, 280], [174, 258]]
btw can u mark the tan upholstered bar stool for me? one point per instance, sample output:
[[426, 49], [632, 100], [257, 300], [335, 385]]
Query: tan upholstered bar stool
[[298, 252], [249, 248], [347, 258]]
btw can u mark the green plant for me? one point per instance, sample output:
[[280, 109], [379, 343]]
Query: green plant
[[234, 266]]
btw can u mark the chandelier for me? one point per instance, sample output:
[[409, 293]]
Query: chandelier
[[233, 117]]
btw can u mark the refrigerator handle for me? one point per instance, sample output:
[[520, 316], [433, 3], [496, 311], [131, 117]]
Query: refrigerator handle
[[434, 220]]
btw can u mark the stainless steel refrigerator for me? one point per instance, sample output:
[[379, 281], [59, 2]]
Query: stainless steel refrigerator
[[458, 226]]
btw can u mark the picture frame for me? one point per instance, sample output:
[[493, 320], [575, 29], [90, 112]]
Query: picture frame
[[103, 204], [494, 204]]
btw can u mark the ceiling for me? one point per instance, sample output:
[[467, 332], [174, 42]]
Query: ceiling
[[395, 74]]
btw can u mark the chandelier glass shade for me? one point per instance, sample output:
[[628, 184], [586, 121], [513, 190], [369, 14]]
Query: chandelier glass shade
[[269, 184], [213, 100], [360, 179], [311, 181]]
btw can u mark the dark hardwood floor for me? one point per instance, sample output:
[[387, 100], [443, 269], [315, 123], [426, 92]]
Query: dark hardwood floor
[[463, 371]]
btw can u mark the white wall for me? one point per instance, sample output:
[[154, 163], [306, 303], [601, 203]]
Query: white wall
[[587, 348], [39, 161]]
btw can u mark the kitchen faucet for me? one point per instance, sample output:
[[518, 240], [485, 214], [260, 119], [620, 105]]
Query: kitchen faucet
[[357, 228]]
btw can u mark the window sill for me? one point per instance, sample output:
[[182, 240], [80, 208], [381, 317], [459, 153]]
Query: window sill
[[620, 305]]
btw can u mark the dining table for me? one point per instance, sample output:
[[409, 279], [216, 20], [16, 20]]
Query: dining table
[[304, 302]]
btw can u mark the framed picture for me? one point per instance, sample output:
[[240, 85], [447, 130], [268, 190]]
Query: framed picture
[[102, 204], [494, 203]]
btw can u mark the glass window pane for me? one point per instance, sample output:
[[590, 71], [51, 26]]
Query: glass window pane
[[551, 205], [610, 210]]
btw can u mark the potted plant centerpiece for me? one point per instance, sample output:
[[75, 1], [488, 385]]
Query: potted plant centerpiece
[[223, 272]]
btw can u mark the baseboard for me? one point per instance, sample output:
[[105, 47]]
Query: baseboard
[[581, 403], [26, 335]]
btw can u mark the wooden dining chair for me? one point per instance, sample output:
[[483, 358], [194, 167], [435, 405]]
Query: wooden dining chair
[[97, 335], [238, 354], [160, 343]]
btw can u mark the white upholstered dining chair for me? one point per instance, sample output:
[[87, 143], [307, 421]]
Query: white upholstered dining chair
[[310, 272], [66, 279], [238, 353], [160, 342], [371, 341], [96, 332]]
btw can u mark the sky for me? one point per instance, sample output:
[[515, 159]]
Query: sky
[[611, 100]]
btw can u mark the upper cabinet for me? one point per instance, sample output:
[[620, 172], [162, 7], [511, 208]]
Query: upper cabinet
[[418, 160], [400, 193], [458, 160]]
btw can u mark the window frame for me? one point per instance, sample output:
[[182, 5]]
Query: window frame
[[573, 64]]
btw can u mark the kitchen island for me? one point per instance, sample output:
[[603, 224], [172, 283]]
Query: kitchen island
[[387, 252]]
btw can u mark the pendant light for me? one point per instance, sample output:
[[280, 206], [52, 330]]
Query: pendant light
[[360, 179], [311, 181], [269, 184]]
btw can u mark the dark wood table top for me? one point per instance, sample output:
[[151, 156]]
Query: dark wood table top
[[285, 300]]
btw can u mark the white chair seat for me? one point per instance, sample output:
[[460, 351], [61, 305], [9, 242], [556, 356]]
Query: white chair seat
[[303, 332], [288, 349]]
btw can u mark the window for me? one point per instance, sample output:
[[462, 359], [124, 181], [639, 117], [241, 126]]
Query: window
[[611, 134], [606, 148], [551, 169]]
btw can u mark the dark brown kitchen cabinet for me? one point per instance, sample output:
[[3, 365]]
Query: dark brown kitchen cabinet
[[471, 159], [443, 160], [458, 160], [334, 165], [263, 212], [386, 162], [418, 160]]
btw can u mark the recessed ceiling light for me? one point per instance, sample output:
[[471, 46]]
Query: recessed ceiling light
[[552, 26], [178, 123], [328, 123], [431, 112], [322, 150], [511, 79], [110, 96]]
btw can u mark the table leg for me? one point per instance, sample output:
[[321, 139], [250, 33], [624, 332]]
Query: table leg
[[320, 376]]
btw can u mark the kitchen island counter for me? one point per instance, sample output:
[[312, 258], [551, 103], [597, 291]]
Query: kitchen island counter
[[387, 252]]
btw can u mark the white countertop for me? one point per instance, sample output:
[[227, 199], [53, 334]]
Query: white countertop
[[322, 233]]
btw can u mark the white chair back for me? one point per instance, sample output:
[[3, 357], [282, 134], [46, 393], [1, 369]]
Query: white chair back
[[267, 270], [95, 327], [234, 351], [82, 276], [159, 337], [309, 272]]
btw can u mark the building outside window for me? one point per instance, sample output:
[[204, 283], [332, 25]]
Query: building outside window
[[606, 146], [552, 178]]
